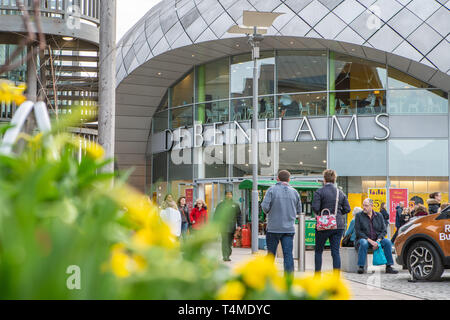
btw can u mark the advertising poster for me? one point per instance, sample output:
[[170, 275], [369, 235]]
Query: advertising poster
[[190, 198], [395, 197], [378, 195]]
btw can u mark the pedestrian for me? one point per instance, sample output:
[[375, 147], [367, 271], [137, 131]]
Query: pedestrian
[[398, 219], [370, 233], [228, 214], [420, 211], [282, 204], [350, 234], [185, 218], [199, 214], [434, 202], [384, 212], [328, 197], [170, 215]]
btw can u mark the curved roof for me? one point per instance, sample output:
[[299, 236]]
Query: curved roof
[[410, 35], [417, 29]]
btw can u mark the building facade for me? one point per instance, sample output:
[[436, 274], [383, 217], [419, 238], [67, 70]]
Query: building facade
[[357, 86]]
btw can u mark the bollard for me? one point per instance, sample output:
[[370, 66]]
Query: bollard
[[301, 242]]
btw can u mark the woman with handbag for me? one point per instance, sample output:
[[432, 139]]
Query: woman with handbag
[[330, 205]]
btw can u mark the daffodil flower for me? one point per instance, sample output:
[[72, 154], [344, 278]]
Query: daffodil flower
[[11, 93]]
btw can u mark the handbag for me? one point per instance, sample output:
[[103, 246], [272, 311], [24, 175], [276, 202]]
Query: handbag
[[379, 258], [328, 222], [346, 242]]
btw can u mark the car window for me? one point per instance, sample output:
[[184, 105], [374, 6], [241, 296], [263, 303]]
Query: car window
[[444, 216]]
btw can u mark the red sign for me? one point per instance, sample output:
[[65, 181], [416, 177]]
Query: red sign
[[395, 197], [190, 198]]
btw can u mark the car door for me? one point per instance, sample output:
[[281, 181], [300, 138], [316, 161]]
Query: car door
[[443, 232]]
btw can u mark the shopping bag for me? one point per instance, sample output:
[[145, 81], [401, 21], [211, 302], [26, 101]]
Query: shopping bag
[[379, 258]]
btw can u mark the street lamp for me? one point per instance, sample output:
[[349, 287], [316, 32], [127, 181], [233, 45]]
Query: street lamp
[[255, 25]]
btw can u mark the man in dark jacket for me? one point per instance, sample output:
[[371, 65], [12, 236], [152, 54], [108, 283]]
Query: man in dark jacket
[[228, 213], [398, 219], [325, 198], [370, 232], [281, 204]]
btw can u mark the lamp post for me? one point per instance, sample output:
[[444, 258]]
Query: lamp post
[[255, 26]]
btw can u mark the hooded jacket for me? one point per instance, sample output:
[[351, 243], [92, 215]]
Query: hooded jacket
[[198, 217], [433, 205]]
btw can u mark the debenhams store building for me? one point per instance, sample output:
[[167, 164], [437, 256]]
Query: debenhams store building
[[357, 86]]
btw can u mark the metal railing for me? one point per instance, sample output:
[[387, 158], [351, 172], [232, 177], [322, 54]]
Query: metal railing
[[86, 10]]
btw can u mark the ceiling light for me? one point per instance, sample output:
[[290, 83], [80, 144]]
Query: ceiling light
[[315, 147], [324, 161], [159, 73], [301, 163], [284, 149], [353, 50], [193, 55], [67, 38], [292, 42], [237, 45]]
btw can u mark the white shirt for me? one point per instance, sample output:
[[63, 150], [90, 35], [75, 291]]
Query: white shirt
[[173, 219]]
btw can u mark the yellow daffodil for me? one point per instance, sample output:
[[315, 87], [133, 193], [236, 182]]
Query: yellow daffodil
[[92, 149], [327, 286], [139, 208], [123, 264], [11, 93], [258, 271], [95, 150], [233, 290], [158, 236]]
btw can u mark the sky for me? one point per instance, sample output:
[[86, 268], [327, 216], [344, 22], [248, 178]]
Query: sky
[[129, 12]]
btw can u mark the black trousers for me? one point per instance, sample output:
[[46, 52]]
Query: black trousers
[[227, 243]]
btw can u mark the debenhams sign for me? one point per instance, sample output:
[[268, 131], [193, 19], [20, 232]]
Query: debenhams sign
[[344, 128]]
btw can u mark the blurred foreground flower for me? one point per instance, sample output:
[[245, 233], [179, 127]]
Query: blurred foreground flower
[[11, 93], [124, 264], [259, 278], [328, 286]]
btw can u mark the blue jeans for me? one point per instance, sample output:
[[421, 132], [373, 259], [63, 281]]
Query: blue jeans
[[184, 228], [335, 237], [287, 244], [364, 245]]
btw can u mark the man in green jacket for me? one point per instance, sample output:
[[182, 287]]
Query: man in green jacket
[[228, 214]]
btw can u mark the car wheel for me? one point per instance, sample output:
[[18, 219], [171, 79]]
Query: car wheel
[[424, 262]]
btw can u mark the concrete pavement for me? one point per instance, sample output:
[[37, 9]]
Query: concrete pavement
[[370, 286]]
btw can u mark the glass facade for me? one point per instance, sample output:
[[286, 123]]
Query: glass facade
[[316, 84]]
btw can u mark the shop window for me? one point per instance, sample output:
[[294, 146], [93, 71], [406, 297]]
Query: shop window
[[418, 102], [212, 112], [301, 71], [299, 105], [183, 91], [160, 121], [358, 102], [242, 75], [181, 117], [242, 109], [398, 79], [213, 81], [351, 73]]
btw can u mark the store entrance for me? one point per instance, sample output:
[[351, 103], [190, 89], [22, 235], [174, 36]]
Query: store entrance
[[213, 191]]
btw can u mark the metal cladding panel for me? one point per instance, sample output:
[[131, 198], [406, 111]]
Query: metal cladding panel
[[412, 29]]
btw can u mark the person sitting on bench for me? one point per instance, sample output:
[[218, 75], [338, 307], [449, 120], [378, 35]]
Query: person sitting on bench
[[370, 228]]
